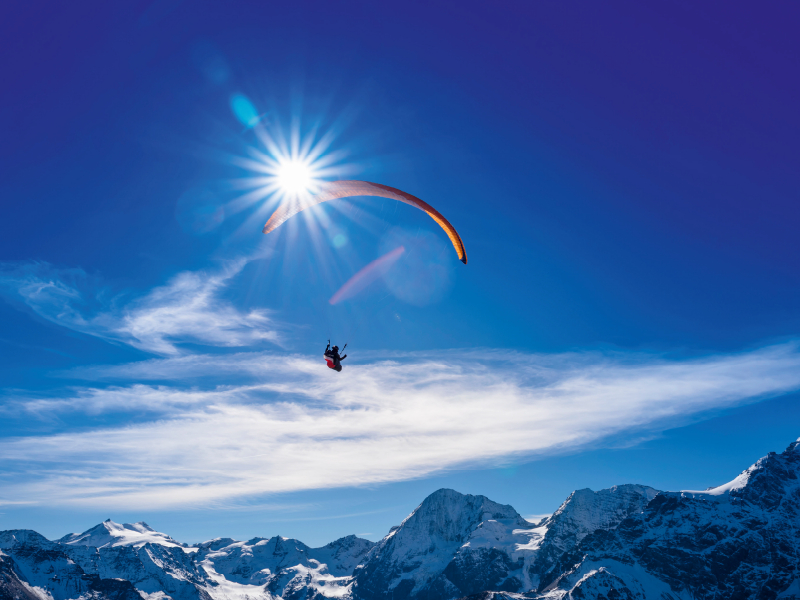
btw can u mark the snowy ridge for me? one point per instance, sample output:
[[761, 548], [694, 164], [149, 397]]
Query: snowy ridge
[[738, 540], [448, 540], [743, 542], [282, 566], [454, 545], [110, 534]]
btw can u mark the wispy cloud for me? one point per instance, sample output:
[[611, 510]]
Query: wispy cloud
[[229, 428], [289, 424], [188, 309]]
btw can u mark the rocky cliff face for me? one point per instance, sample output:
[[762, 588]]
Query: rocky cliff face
[[582, 513], [455, 545], [449, 545], [739, 540], [33, 567]]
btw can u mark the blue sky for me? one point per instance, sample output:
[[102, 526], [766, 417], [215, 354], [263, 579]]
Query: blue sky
[[623, 177]]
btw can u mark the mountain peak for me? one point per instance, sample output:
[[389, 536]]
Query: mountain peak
[[764, 483], [458, 506], [586, 511], [110, 533], [448, 527]]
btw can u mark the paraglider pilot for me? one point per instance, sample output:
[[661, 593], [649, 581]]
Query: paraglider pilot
[[332, 357]]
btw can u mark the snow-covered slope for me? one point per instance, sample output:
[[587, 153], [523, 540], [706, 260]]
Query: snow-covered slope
[[738, 540], [470, 537], [12, 583], [33, 568], [455, 545], [343, 555], [282, 567], [108, 534], [584, 512]]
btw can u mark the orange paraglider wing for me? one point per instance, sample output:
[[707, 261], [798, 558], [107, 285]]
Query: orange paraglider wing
[[345, 189]]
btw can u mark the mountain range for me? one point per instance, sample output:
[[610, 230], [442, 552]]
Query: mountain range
[[739, 540]]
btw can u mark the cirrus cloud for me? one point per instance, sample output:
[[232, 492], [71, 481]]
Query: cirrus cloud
[[187, 309], [288, 425]]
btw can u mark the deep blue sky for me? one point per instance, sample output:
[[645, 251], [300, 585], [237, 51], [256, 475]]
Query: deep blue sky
[[625, 179]]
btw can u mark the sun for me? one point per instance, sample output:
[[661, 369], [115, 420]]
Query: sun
[[294, 177], [286, 165]]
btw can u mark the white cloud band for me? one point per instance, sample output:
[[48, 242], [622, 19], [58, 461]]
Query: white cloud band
[[291, 424]]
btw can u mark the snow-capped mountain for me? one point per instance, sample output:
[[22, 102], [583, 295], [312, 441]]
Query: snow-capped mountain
[[584, 512], [34, 568], [739, 540], [450, 539], [158, 567], [284, 568], [153, 566], [109, 534], [454, 545]]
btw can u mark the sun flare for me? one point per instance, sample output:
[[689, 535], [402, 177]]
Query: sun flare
[[294, 177], [287, 166]]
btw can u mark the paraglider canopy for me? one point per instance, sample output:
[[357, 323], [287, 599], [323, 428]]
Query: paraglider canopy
[[346, 189]]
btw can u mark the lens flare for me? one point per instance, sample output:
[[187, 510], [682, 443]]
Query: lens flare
[[244, 111], [372, 272]]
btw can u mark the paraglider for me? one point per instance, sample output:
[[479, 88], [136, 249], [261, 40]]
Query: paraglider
[[346, 189], [332, 357]]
